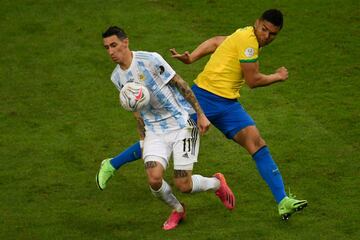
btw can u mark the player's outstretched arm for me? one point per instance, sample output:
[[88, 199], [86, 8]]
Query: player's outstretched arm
[[205, 48], [254, 78], [184, 88]]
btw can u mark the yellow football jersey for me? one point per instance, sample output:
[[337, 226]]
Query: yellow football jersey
[[222, 74]]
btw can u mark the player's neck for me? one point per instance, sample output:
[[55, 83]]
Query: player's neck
[[126, 63]]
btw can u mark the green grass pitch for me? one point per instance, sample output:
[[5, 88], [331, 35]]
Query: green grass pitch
[[59, 117]]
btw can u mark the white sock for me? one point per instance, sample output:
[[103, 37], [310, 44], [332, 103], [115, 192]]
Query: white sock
[[202, 184], [165, 194]]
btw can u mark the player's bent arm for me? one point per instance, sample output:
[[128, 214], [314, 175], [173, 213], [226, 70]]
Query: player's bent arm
[[207, 47], [140, 125], [185, 90], [254, 78]]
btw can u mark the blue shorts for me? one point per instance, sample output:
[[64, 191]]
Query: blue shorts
[[227, 115]]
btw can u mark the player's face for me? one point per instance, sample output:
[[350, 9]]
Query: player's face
[[265, 32], [116, 48]]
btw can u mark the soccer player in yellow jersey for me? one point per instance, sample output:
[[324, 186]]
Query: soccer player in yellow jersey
[[234, 62]]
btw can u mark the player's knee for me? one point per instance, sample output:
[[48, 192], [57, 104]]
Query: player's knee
[[183, 180], [255, 144], [184, 186], [154, 177], [155, 182], [259, 142]]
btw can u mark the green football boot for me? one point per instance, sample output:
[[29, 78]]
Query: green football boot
[[104, 174], [290, 205]]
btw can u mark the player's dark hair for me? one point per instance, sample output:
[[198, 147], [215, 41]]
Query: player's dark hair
[[114, 30], [274, 16]]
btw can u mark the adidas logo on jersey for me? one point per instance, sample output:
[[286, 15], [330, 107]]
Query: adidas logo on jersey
[[185, 155]]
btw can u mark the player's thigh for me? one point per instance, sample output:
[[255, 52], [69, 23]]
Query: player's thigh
[[186, 148], [157, 149], [250, 139], [185, 154], [156, 156], [154, 168], [234, 119]]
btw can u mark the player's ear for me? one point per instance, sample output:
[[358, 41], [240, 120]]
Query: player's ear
[[126, 41], [257, 22]]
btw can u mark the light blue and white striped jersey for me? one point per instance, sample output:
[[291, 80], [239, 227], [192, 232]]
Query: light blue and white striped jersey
[[168, 110]]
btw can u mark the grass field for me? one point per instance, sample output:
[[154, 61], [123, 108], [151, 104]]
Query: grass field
[[59, 117]]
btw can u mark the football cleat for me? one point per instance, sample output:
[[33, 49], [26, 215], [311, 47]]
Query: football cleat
[[224, 192], [290, 205], [104, 174], [174, 219]]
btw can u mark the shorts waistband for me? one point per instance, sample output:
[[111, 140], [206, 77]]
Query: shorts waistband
[[213, 96]]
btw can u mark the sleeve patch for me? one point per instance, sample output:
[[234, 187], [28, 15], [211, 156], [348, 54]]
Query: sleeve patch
[[249, 52]]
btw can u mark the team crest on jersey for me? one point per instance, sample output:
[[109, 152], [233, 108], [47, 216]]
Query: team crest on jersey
[[249, 52], [141, 77]]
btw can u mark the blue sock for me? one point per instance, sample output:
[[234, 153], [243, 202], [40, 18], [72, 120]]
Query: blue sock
[[270, 172], [130, 154]]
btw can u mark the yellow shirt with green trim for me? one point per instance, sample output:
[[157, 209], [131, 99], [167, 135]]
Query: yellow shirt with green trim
[[222, 74]]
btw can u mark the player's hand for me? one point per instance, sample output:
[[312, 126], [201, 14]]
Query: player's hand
[[203, 123], [185, 57], [283, 73]]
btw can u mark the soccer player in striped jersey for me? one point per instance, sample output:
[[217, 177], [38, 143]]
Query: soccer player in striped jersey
[[164, 125], [234, 62]]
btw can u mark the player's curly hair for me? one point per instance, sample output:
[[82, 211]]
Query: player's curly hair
[[274, 16]]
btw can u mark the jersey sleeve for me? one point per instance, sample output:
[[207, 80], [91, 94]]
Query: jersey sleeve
[[115, 79], [162, 68], [247, 47]]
